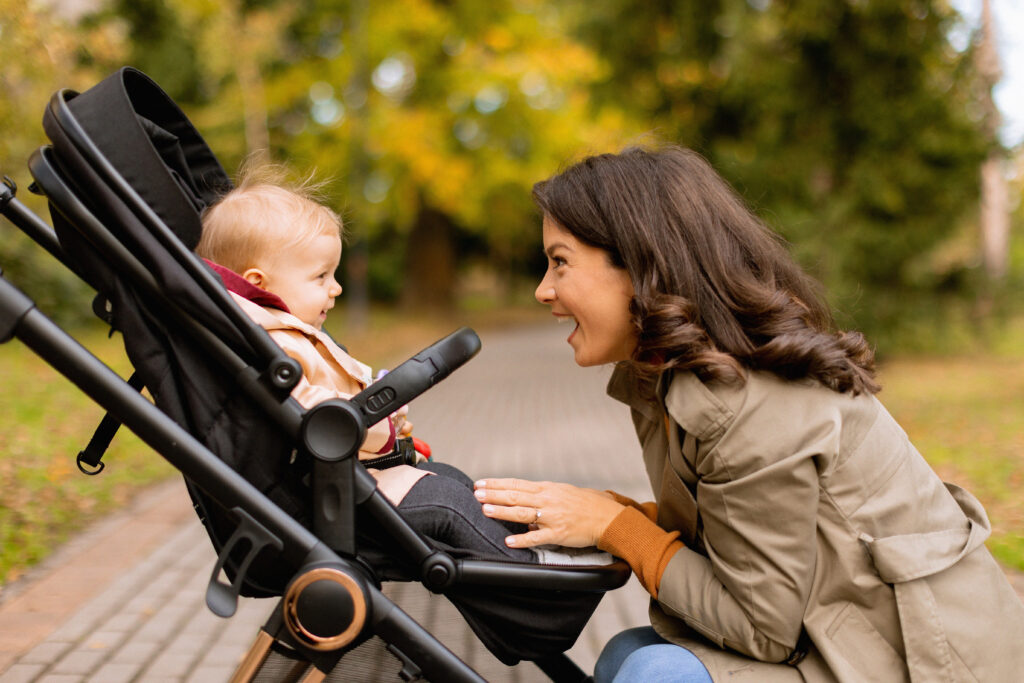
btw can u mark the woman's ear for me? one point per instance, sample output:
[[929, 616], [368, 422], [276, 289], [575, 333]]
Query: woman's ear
[[256, 277]]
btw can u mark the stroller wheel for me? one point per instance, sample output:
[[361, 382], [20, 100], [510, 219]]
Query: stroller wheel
[[325, 608]]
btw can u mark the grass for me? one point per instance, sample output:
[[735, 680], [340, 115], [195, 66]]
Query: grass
[[44, 422], [964, 412], [966, 416]]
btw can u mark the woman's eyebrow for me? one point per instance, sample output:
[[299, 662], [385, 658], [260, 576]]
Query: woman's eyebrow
[[550, 249]]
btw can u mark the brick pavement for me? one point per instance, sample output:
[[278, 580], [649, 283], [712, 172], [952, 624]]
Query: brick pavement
[[124, 601]]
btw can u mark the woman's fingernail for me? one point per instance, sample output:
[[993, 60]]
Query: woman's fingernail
[[480, 494], [480, 484], [488, 510], [510, 541]]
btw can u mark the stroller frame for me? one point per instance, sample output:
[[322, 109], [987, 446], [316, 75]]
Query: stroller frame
[[332, 601]]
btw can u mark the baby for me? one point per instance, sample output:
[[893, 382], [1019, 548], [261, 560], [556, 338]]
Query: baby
[[276, 249]]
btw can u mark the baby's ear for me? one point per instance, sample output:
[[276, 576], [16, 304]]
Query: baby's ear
[[255, 276]]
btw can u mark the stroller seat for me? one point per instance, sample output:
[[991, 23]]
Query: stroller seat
[[126, 176]]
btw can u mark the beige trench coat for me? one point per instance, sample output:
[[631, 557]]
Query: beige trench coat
[[808, 511]]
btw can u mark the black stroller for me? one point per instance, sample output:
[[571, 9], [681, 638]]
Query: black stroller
[[126, 176]]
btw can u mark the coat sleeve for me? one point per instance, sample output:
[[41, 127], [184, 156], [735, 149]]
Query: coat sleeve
[[757, 493]]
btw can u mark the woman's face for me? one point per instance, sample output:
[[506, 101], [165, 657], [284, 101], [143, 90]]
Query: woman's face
[[583, 288]]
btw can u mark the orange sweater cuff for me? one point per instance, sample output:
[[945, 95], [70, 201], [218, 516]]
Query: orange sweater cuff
[[644, 545], [650, 509]]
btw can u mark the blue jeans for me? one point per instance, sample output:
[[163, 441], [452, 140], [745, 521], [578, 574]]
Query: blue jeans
[[640, 654]]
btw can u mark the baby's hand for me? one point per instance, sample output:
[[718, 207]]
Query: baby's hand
[[395, 482], [399, 419]]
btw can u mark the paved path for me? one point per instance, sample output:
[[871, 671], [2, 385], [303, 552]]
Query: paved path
[[124, 600]]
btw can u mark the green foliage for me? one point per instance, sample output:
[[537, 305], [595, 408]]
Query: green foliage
[[849, 126], [846, 125], [154, 31], [40, 54], [454, 108], [409, 108]]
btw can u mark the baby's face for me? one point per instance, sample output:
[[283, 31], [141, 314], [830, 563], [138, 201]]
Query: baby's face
[[304, 278]]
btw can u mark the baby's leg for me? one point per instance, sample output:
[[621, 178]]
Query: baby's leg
[[446, 470], [458, 475], [443, 508]]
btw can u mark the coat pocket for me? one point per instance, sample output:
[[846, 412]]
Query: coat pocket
[[852, 637]]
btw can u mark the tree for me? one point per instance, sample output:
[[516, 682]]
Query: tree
[[40, 53], [994, 216], [431, 119], [468, 104], [846, 124]]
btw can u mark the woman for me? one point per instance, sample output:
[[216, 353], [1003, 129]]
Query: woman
[[796, 534]]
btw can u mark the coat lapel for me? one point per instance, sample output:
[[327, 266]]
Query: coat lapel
[[677, 506], [671, 477]]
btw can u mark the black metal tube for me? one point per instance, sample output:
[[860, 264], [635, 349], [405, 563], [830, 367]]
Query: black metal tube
[[29, 223], [14, 306], [437, 662], [549, 577], [394, 524], [157, 430]]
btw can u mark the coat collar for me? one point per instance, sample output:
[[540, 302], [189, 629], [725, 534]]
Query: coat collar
[[681, 394], [695, 407], [626, 387], [234, 282], [271, 319]]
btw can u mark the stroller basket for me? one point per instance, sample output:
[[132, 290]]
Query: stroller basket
[[126, 176]]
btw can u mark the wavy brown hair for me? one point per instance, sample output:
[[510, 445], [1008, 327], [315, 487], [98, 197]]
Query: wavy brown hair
[[716, 291]]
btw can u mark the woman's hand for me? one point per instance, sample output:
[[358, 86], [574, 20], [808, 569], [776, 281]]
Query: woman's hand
[[559, 514]]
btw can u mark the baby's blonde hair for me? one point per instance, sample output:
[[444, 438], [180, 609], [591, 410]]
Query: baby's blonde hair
[[266, 214]]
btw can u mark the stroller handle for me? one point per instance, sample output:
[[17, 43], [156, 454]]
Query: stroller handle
[[334, 429], [416, 375]]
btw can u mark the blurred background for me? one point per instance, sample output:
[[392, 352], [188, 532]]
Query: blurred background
[[865, 131], [882, 138]]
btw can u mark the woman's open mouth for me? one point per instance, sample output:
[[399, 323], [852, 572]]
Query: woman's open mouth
[[569, 318]]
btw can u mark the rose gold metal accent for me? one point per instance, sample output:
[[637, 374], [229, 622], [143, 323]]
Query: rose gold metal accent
[[314, 675], [312, 640], [254, 658]]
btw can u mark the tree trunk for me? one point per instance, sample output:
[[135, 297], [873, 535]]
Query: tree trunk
[[430, 269], [357, 297], [250, 81], [994, 214], [994, 218]]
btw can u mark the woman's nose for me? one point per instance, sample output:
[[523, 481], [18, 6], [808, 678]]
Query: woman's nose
[[544, 293]]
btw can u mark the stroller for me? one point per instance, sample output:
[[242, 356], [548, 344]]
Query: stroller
[[126, 176]]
